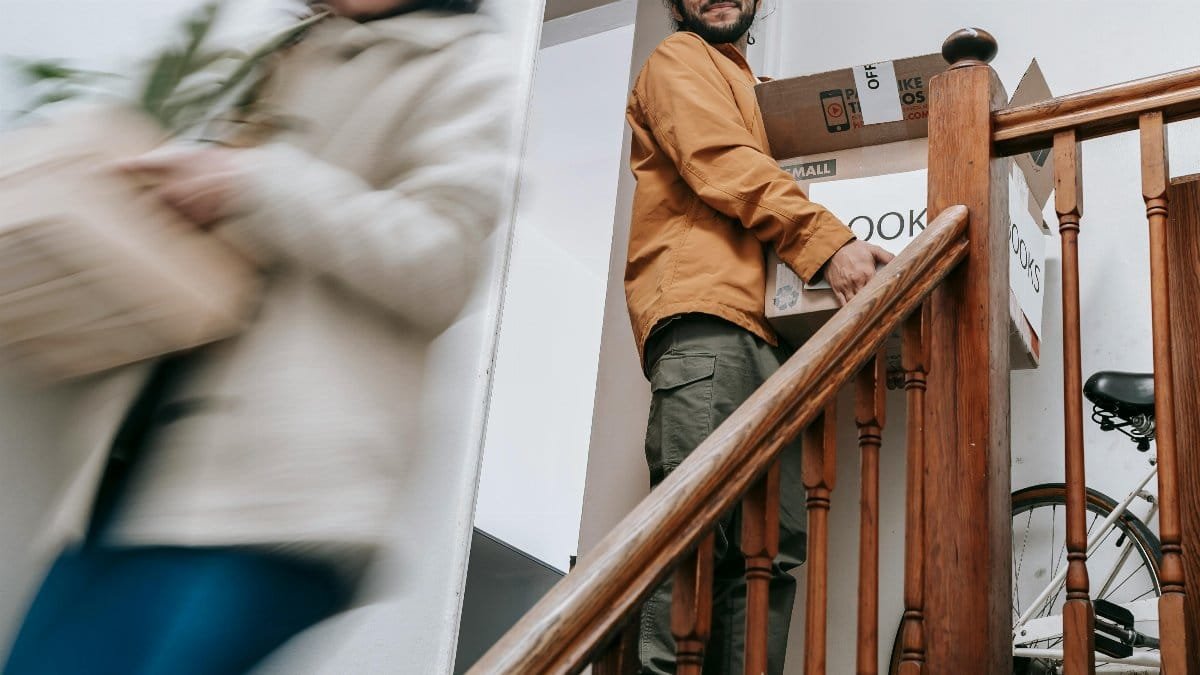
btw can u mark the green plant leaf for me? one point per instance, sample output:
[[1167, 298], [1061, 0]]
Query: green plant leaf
[[204, 60], [56, 96], [182, 84], [164, 77], [197, 27], [38, 71]]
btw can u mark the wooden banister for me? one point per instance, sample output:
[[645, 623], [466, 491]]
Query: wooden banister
[[760, 545], [1099, 112], [1155, 186], [584, 610], [915, 362], [1183, 232], [869, 413], [691, 608], [1079, 620], [968, 521], [819, 466]]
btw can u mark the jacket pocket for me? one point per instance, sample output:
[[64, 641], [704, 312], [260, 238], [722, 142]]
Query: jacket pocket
[[680, 410]]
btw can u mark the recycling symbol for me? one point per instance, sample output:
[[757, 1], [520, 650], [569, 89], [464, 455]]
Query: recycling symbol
[[786, 297]]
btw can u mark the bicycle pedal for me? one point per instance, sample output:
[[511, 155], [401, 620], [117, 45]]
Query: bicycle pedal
[[1113, 648], [1114, 628], [1114, 614]]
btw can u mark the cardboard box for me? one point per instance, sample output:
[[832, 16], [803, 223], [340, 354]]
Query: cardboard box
[[95, 272], [880, 191], [831, 111]]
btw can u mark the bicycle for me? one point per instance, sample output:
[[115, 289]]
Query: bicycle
[[1124, 554]]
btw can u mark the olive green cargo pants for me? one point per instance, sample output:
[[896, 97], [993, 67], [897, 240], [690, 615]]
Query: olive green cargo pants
[[701, 369]]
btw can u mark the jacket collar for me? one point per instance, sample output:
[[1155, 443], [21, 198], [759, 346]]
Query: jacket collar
[[734, 54], [730, 52]]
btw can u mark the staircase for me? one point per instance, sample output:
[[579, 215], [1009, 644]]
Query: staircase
[[947, 294]]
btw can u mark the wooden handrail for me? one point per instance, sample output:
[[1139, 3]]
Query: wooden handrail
[[1099, 112], [567, 627]]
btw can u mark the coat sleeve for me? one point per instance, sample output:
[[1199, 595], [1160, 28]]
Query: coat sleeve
[[694, 118], [413, 245]]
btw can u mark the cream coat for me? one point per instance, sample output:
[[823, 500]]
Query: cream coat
[[367, 214]]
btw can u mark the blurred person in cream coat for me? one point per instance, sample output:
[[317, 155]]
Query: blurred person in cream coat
[[240, 501]]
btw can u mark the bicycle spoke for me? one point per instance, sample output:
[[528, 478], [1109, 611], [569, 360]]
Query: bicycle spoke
[[1062, 552], [1020, 560], [1053, 519], [1123, 582], [1108, 535], [1152, 589], [1053, 600]]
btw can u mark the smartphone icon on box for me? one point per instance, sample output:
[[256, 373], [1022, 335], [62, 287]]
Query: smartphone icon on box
[[833, 104]]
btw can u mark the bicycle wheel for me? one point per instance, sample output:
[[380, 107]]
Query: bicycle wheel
[[1039, 551]]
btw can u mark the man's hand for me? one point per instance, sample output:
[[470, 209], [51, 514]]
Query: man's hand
[[197, 182], [852, 267]]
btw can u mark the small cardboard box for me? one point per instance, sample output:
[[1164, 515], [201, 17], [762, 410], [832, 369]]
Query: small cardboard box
[[879, 189], [95, 272]]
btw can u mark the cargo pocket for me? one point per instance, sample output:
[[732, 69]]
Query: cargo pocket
[[680, 410]]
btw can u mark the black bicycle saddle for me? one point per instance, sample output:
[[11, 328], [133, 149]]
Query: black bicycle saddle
[[1126, 394]]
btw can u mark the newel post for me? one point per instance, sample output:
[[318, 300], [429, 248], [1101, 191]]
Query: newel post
[[967, 503]]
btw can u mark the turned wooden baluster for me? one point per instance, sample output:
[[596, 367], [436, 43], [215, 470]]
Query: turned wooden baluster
[[1155, 183], [760, 545], [819, 475], [620, 657], [914, 357], [870, 394], [1078, 616], [691, 608]]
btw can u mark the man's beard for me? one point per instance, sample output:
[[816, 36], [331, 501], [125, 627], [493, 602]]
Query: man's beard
[[714, 34]]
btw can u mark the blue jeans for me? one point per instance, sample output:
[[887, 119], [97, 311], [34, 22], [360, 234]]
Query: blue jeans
[[105, 610], [176, 611]]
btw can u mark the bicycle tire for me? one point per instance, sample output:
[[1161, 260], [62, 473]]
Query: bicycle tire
[[1147, 543]]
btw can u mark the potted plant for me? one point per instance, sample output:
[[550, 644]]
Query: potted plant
[[95, 272]]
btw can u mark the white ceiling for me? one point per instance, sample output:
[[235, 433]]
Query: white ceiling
[[559, 8]]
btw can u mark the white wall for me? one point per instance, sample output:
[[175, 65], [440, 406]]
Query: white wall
[[617, 477], [1080, 46], [535, 455], [414, 627]]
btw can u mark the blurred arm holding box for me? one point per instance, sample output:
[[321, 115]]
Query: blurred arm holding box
[[408, 233], [95, 272]]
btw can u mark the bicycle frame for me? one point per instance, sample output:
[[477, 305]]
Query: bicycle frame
[[1151, 662], [1050, 627], [1026, 629], [1059, 578]]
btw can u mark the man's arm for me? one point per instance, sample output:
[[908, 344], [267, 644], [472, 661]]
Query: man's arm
[[695, 120]]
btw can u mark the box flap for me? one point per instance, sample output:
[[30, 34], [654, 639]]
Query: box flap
[[1038, 166]]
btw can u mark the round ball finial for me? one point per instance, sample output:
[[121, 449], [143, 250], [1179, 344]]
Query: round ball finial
[[969, 46]]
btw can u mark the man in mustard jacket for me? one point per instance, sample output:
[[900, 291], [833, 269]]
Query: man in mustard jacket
[[709, 201]]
